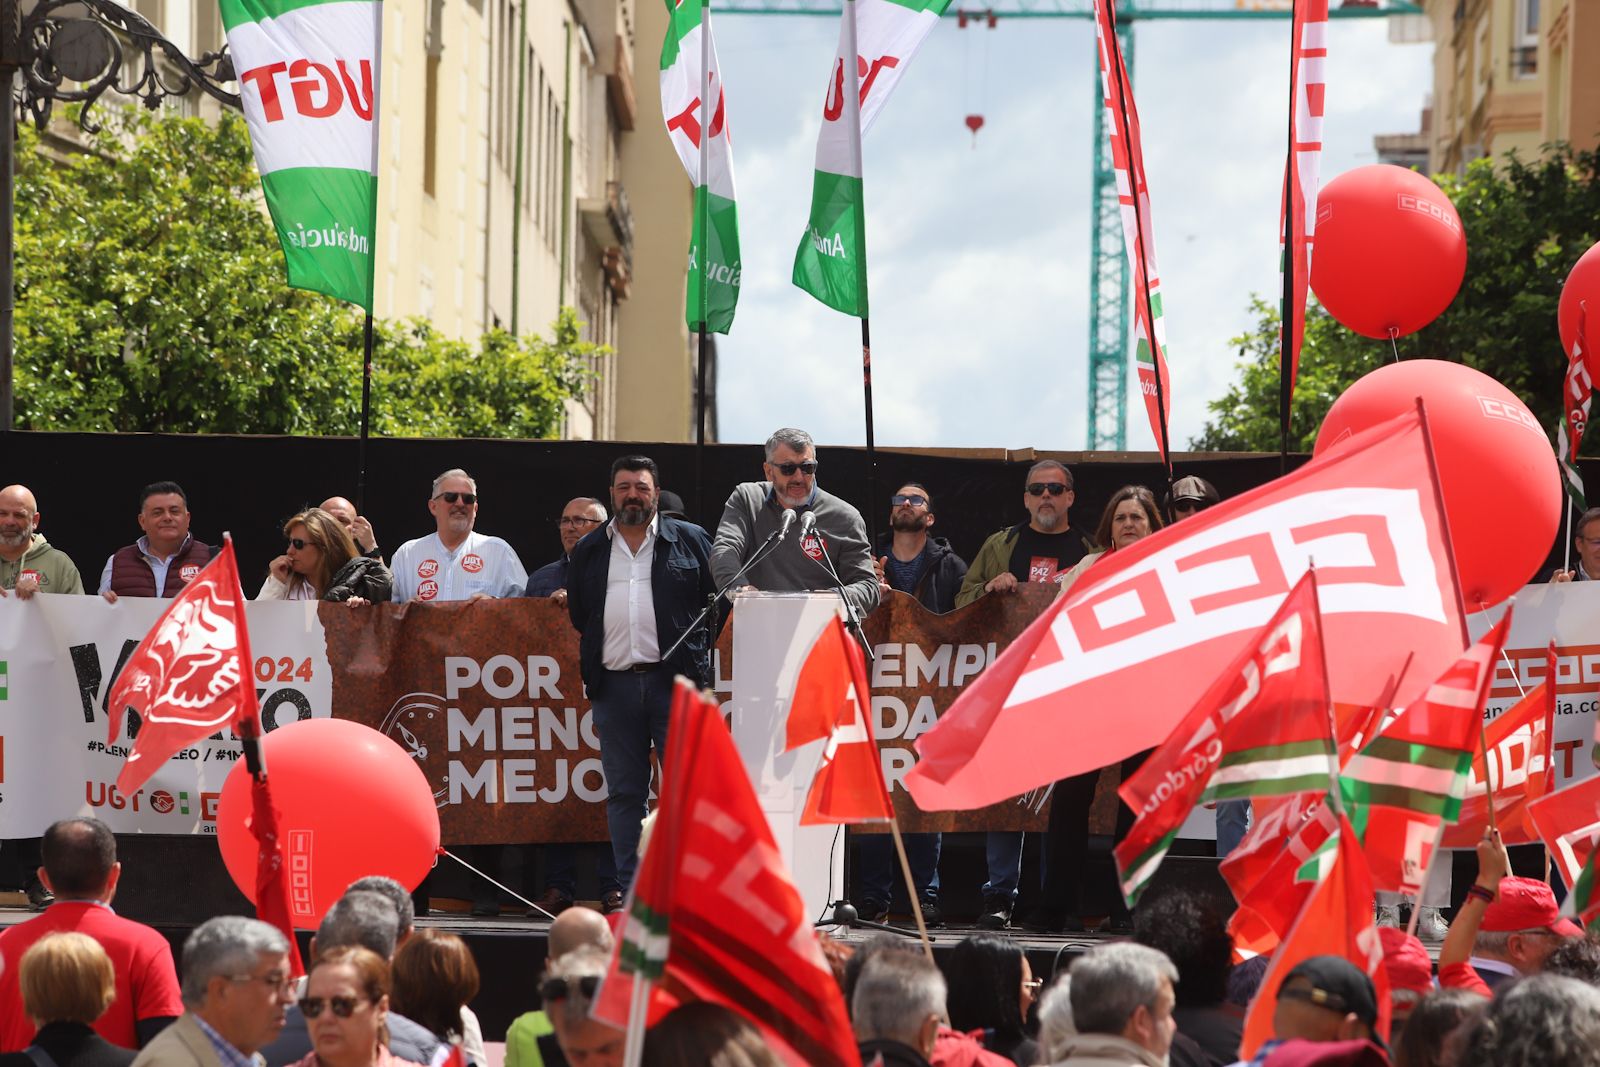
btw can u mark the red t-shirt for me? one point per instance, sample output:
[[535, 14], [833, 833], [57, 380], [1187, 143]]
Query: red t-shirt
[[147, 980]]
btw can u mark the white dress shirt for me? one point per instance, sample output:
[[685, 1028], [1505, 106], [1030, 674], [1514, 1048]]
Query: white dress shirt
[[630, 615], [425, 570]]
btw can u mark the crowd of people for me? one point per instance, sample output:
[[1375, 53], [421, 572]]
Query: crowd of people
[[80, 986]]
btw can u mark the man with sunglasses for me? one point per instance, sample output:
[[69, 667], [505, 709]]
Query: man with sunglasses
[[1190, 495], [455, 562], [1043, 549], [927, 568], [755, 510]]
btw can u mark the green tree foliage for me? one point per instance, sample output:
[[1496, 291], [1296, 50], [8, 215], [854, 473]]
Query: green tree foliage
[[1526, 225], [151, 297]]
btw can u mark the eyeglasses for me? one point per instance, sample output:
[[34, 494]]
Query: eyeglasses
[[452, 497], [1033, 986], [570, 521], [808, 468], [916, 500], [298, 544], [277, 981], [1187, 506], [1041, 488], [555, 989], [343, 1007]]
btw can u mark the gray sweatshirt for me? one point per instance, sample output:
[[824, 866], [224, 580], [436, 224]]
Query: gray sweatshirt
[[750, 515]]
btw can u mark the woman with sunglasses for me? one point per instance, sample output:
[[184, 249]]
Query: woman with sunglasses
[[321, 562], [991, 988], [1130, 516], [345, 1004]]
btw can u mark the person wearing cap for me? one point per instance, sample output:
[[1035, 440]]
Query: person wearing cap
[[1410, 972], [1323, 999], [1190, 495], [1509, 925]]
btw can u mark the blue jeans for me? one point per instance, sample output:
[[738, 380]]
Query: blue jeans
[[631, 711], [561, 867], [1003, 849], [879, 874], [1233, 822]]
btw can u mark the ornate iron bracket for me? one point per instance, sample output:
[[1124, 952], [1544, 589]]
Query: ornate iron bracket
[[74, 51]]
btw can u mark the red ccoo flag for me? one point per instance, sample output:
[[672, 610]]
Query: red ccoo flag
[[1517, 766], [190, 676], [713, 914], [832, 699], [1152, 618]]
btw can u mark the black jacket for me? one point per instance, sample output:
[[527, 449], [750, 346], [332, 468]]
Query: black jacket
[[362, 577], [680, 583], [894, 1054], [941, 581], [72, 1045]]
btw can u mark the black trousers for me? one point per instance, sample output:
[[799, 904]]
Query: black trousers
[[1066, 844]]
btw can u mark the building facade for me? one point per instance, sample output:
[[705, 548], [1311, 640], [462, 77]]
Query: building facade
[[1512, 75], [523, 168]]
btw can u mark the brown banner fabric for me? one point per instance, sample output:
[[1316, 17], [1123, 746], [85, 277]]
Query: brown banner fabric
[[486, 696]]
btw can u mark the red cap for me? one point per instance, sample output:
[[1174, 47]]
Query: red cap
[[1406, 961], [1526, 904]]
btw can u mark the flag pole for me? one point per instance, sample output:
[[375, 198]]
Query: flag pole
[[1566, 563], [911, 888], [366, 416], [702, 219], [1158, 356], [852, 108], [872, 453], [1286, 319]]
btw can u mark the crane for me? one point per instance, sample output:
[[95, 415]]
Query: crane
[[1108, 264]]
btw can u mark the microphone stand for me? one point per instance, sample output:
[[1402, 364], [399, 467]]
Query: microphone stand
[[767, 546], [851, 620]]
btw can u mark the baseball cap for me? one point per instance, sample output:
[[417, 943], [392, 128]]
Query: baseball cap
[[1526, 904], [1335, 984], [670, 504], [1405, 961]]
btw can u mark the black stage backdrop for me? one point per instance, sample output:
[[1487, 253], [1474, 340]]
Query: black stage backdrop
[[87, 485]]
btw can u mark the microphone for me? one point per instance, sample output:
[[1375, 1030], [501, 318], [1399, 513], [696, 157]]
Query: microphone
[[808, 523], [788, 521]]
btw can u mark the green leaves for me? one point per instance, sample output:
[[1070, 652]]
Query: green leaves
[[151, 297], [1526, 225]]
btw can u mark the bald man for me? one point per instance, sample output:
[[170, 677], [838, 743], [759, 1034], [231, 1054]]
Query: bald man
[[28, 563], [357, 526], [531, 1038]]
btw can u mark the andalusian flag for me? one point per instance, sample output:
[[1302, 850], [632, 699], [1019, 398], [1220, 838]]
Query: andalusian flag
[[879, 38], [697, 123], [308, 76]]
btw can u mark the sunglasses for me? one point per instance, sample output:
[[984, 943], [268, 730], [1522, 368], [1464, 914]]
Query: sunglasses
[[1187, 505], [916, 500], [298, 544], [1041, 488], [808, 468], [343, 1007], [555, 989], [452, 497]]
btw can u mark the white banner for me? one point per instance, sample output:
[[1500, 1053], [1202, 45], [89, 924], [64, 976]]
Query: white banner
[[58, 655]]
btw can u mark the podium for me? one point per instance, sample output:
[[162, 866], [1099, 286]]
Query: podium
[[772, 632]]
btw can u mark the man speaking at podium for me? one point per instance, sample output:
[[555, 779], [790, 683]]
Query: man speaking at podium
[[825, 540]]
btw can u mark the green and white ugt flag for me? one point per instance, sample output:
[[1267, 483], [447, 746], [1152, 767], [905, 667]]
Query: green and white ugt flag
[[882, 36], [689, 61], [308, 76]]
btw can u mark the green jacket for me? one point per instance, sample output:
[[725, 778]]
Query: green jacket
[[55, 569], [993, 560], [522, 1039]]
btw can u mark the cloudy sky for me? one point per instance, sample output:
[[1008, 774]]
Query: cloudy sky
[[978, 251]]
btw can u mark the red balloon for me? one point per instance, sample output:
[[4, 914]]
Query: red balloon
[[1497, 471], [1582, 287], [350, 803], [1390, 252]]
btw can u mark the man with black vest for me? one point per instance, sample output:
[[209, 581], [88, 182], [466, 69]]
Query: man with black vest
[[166, 558]]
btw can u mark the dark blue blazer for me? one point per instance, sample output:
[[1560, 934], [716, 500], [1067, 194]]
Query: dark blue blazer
[[680, 582]]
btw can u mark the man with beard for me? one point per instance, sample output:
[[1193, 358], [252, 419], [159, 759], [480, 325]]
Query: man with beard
[[755, 510], [1043, 549], [927, 568], [28, 563], [455, 562], [634, 586]]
